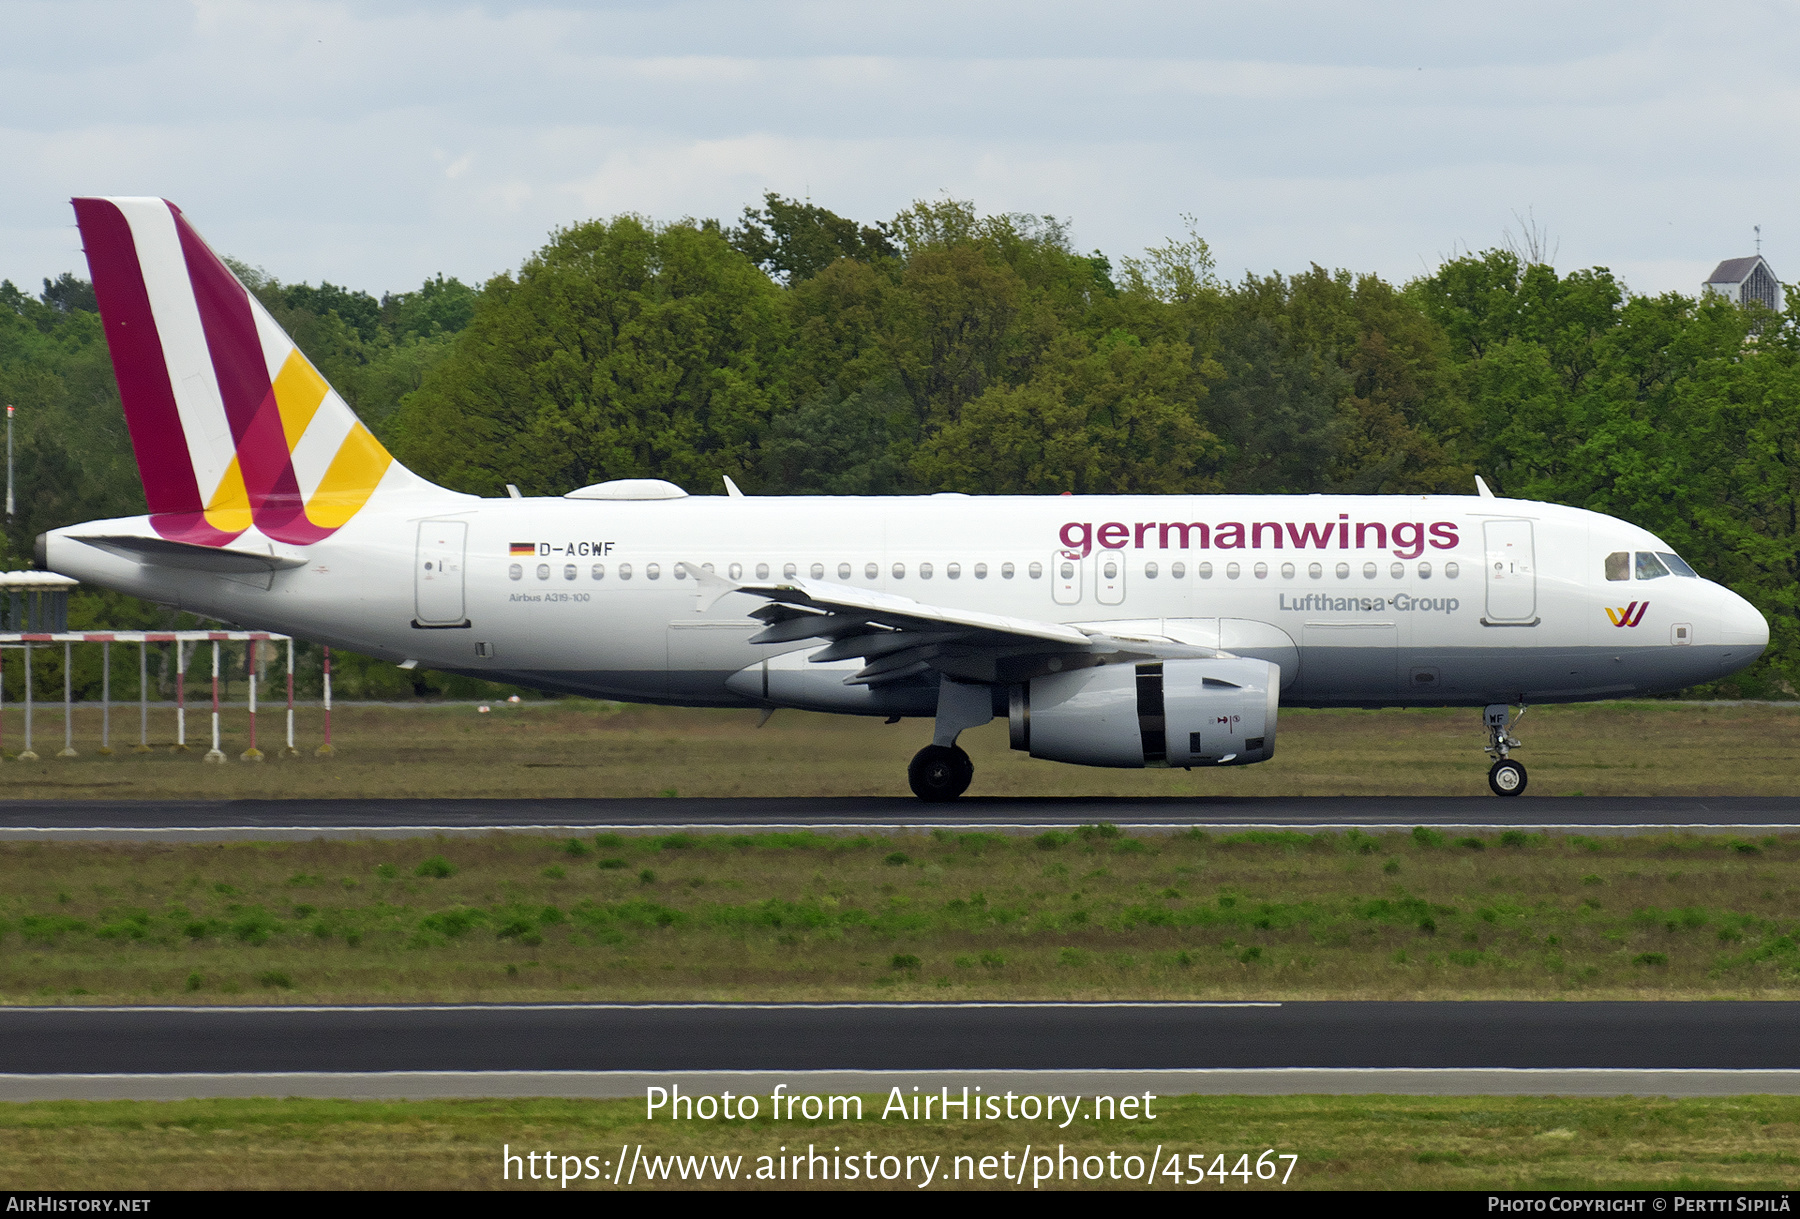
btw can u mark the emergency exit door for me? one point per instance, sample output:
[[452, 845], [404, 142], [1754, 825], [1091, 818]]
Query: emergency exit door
[[1511, 574], [438, 574], [1109, 578]]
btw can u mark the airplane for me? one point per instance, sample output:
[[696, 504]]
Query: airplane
[[1109, 630]]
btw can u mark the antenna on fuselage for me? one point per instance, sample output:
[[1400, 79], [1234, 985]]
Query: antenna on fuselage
[[1481, 488], [731, 489]]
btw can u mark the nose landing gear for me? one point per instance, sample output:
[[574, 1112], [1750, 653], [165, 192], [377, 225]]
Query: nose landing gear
[[1506, 777]]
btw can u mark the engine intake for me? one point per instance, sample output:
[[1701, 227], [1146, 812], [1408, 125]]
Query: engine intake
[[1161, 713]]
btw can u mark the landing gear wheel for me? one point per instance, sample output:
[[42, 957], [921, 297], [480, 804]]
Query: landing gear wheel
[[939, 773], [1507, 777]]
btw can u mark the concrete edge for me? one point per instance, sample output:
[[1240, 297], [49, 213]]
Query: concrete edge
[[602, 1085]]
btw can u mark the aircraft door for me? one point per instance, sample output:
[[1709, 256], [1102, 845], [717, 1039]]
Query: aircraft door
[[438, 574], [1065, 577], [1511, 574], [1109, 578]]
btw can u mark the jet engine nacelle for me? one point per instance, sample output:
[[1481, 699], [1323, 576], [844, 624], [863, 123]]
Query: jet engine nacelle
[[1159, 713]]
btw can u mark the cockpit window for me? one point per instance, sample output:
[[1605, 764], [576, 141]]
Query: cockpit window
[[1618, 565], [1677, 564], [1649, 567]]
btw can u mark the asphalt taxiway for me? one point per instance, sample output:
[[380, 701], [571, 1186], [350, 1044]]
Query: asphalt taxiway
[[902, 1036], [173, 820], [614, 1049]]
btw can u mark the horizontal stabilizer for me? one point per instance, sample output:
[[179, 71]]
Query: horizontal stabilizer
[[161, 552]]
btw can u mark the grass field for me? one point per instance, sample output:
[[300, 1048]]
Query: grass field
[[1384, 1142], [1079, 915], [579, 748]]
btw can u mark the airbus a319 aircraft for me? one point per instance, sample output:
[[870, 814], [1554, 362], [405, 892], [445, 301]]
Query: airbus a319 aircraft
[[1124, 630]]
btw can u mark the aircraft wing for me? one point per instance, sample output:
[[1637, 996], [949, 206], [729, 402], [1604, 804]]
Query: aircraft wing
[[898, 637]]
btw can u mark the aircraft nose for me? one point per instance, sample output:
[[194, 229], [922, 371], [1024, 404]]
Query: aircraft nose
[[1742, 625]]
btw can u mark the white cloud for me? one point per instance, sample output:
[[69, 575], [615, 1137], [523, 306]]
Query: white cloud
[[377, 143]]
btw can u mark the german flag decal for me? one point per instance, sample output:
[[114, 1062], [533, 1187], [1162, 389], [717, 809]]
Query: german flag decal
[[522, 548]]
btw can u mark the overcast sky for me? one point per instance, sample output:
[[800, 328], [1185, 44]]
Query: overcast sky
[[374, 144]]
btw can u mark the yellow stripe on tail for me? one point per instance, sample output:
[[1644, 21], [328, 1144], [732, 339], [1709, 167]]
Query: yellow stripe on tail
[[350, 480]]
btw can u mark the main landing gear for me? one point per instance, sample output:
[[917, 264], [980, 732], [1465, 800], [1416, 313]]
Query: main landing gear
[[1506, 777], [942, 771], [939, 773]]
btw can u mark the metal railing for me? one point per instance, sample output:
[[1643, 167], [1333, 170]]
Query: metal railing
[[27, 641]]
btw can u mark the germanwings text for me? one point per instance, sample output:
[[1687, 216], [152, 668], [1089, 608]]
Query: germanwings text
[[1407, 539]]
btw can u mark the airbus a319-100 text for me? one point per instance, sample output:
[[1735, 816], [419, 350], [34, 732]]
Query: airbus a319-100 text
[[1109, 630]]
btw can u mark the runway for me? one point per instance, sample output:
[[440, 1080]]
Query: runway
[[903, 1037], [202, 820]]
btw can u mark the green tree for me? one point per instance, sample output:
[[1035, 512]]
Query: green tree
[[623, 349], [1116, 417], [794, 241]]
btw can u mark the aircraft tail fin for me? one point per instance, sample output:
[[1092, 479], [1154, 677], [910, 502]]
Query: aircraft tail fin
[[232, 427]]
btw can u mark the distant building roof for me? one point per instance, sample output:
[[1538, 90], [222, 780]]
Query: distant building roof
[[1742, 280], [1734, 270]]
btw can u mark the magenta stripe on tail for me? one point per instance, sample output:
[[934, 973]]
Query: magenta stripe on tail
[[243, 373], [137, 354]]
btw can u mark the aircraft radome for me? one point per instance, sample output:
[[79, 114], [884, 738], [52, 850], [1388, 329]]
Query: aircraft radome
[[1110, 630]]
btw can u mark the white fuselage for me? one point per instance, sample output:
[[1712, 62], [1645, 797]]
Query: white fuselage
[[1362, 600]]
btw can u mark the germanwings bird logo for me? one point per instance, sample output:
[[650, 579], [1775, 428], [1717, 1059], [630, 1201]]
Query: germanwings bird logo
[[233, 428], [1631, 615]]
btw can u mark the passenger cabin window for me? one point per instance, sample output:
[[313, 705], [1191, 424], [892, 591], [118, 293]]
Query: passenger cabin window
[[1149, 571], [1678, 565], [653, 570], [735, 571], [843, 571], [818, 571], [924, 571], [1203, 570], [599, 572], [762, 571], [1618, 565], [871, 571], [1177, 571], [953, 570], [981, 571], [1649, 567], [1035, 571], [789, 571], [1006, 571]]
